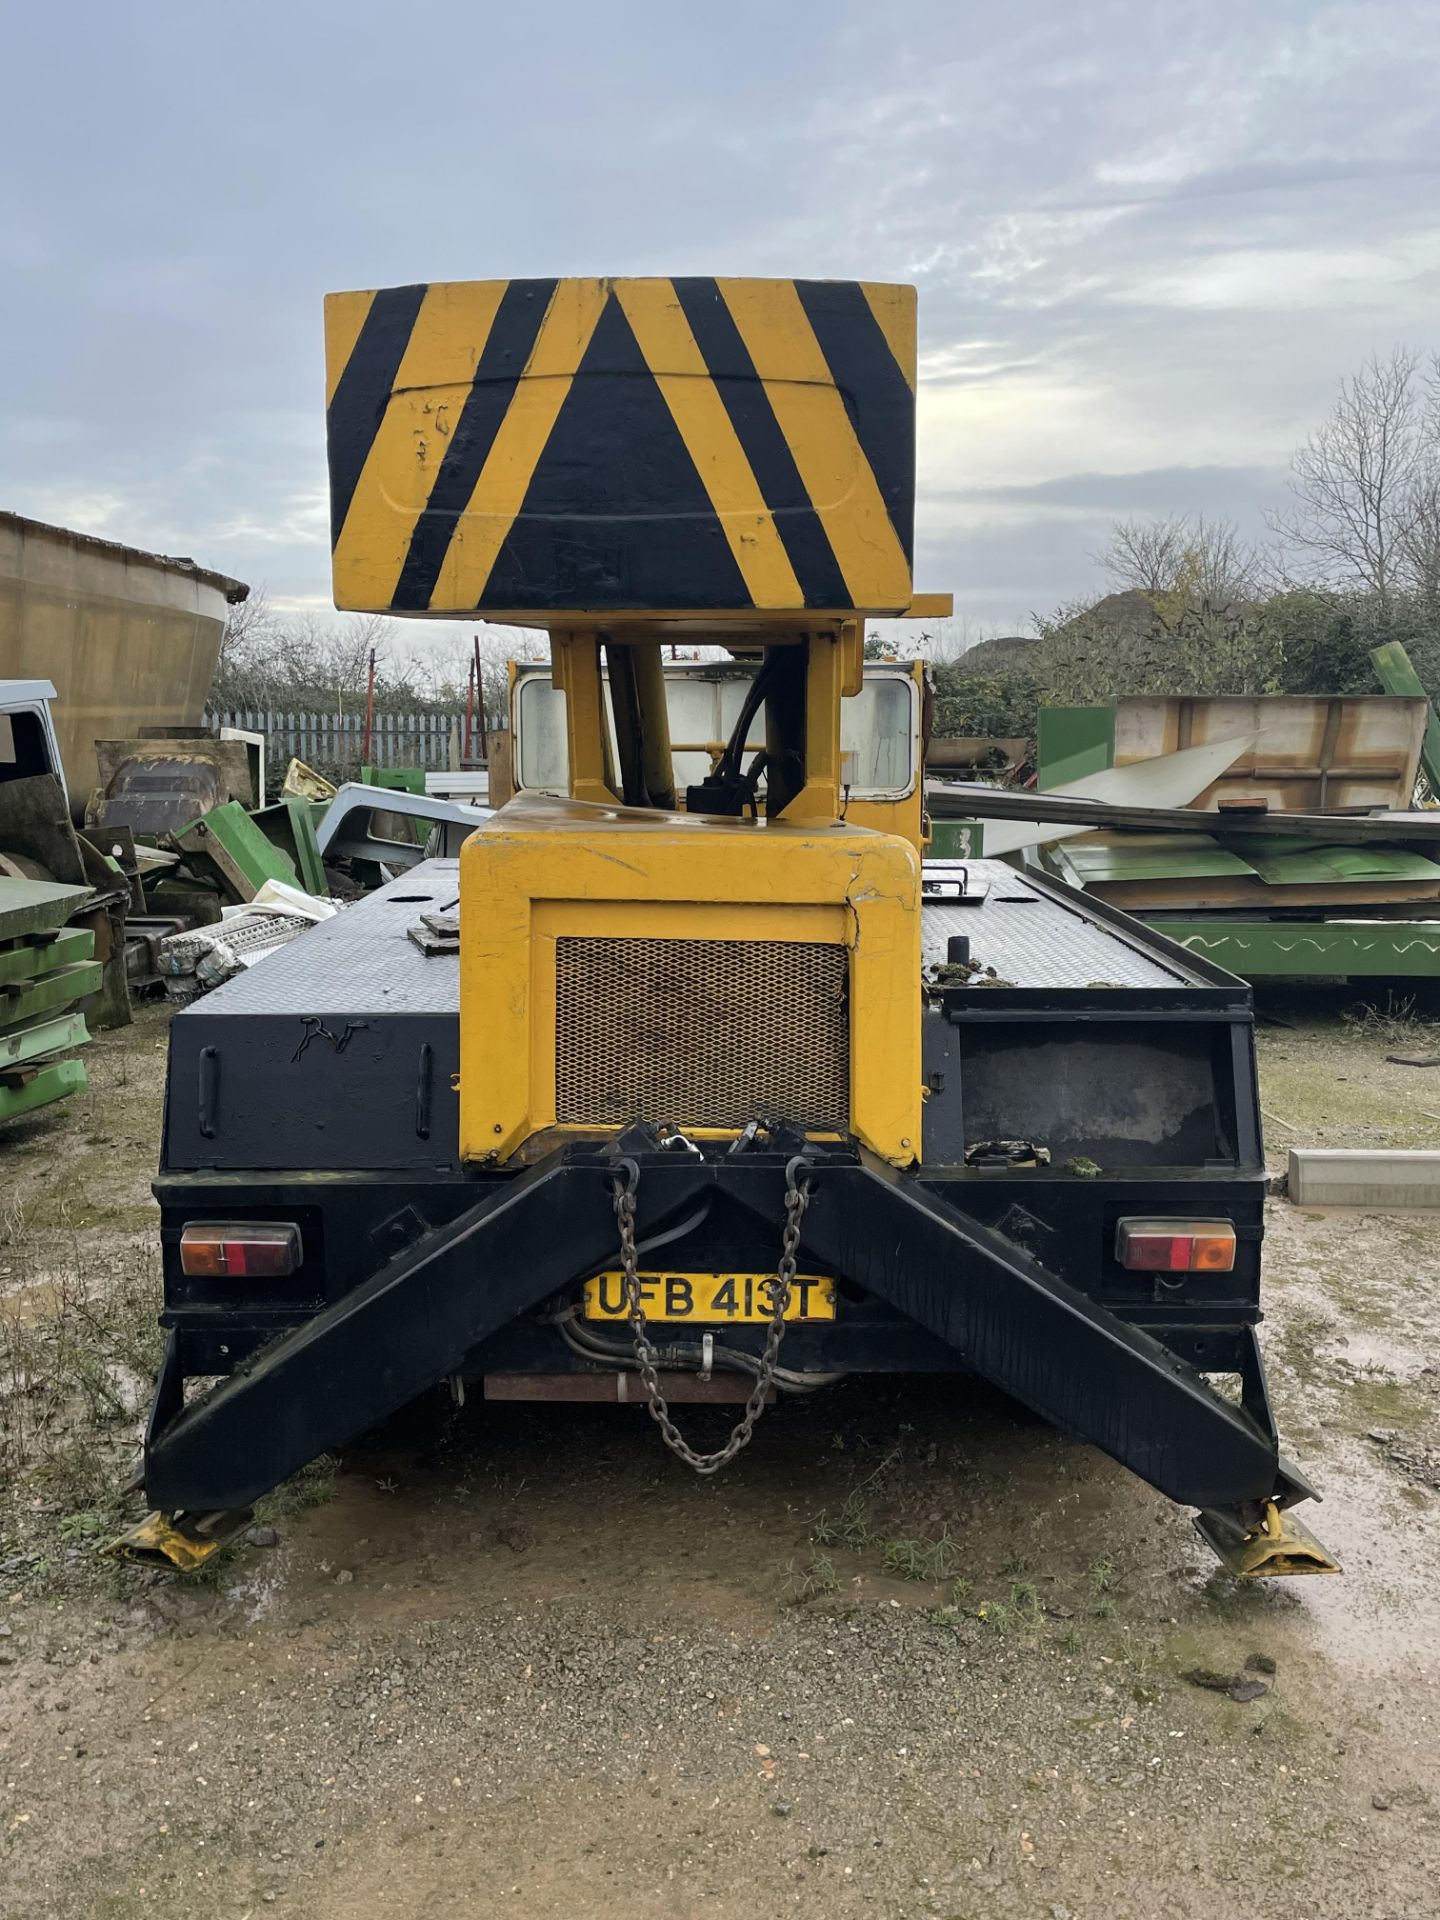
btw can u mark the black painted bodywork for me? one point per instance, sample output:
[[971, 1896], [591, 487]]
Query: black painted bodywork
[[286, 1103]]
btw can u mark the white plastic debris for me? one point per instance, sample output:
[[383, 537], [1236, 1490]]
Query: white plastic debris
[[281, 895], [203, 957]]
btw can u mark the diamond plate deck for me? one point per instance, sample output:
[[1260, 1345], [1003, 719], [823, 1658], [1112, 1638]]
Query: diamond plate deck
[[361, 962], [1035, 938]]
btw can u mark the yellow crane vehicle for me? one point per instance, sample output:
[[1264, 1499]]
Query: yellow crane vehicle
[[720, 1089]]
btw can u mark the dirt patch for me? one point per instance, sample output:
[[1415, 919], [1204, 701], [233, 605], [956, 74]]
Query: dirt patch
[[1326, 1080]]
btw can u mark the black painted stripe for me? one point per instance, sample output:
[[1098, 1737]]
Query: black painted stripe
[[763, 443], [503, 359], [362, 393], [876, 393], [616, 515]]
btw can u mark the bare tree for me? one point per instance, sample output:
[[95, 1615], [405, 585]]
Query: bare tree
[[940, 642], [1420, 541], [1147, 554], [248, 624], [1184, 559], [270, 658], [1355, 480], [442, 670]]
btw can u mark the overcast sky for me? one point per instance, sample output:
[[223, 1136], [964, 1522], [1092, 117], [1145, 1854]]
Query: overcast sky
[[1148, 238]]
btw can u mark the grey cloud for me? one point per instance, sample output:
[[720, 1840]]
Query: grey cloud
[[1156, 490], [1059, 180]]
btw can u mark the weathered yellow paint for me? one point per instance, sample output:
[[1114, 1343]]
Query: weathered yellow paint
[[510, 466], [177, 1540], [1278, 1544], [664, 337], [431, 387], [413, 352], [894, 310], [905, 816], [543, 867], [344, 317], [902, 817], [811, 415], [575, 668], [818, 801]]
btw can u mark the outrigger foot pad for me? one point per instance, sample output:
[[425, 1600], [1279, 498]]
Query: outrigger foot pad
[[1274, 1545], [183, 1540]]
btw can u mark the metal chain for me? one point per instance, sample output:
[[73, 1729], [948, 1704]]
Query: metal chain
[[797, 1199]]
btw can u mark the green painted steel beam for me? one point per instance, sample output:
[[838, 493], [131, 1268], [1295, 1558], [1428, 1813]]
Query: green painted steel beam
[[1397, 675], [22, 1045], [398, 779], [37, 906], [290, 825], [29, 999], [1335, 949], [43, 953], [38, 1089], [238, 848]]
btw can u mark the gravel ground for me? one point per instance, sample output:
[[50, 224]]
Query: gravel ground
[[520, 1661]]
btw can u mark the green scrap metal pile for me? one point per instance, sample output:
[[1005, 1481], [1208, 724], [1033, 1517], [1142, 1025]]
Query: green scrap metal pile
[[45, 968], [1315, 851]]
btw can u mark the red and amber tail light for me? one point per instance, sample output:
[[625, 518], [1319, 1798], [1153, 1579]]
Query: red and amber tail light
[[252, 1249], [1176, 1246]]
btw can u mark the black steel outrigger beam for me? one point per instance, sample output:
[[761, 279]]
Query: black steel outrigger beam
[[1009, 1318], [1049, 1345], [399, 1332]]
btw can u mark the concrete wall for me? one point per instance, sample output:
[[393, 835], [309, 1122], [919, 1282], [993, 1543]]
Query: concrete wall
[[130, 639]]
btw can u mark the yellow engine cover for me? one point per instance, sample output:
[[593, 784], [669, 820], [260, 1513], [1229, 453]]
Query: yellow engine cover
[[618, 964]]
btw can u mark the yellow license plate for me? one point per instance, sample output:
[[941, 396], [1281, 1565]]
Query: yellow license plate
[[722, 1298]]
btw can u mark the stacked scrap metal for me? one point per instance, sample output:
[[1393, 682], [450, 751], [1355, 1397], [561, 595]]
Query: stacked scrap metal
[[45, 968], [1296, 848]]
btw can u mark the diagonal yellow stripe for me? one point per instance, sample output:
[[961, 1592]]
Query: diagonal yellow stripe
[[672, 355], [431, 387], [344, 317], [894, 309], [510, 465], [812, 417]]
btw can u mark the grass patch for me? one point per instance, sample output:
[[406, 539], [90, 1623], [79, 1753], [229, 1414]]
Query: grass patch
[[936, 1559], [1396, 1023], [817, 1580], [79, 1349], [1304, 1333], [312, 1486], [850, 1527], [1103, 1582]]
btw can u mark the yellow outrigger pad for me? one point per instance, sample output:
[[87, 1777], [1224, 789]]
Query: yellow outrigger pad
[[181, 1540], [1278, 1545]]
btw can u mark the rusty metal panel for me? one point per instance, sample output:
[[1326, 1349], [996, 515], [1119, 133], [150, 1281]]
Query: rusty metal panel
[[1313, 753], [130, 639], [622, 1388]]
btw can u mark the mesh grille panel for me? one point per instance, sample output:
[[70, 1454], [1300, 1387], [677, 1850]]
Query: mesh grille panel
[[701, 1033]]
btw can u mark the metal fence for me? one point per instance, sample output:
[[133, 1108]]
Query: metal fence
[[333, 743]]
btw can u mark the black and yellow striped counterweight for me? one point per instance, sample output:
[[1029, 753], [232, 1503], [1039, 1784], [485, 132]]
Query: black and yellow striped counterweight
[[552, 448]]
